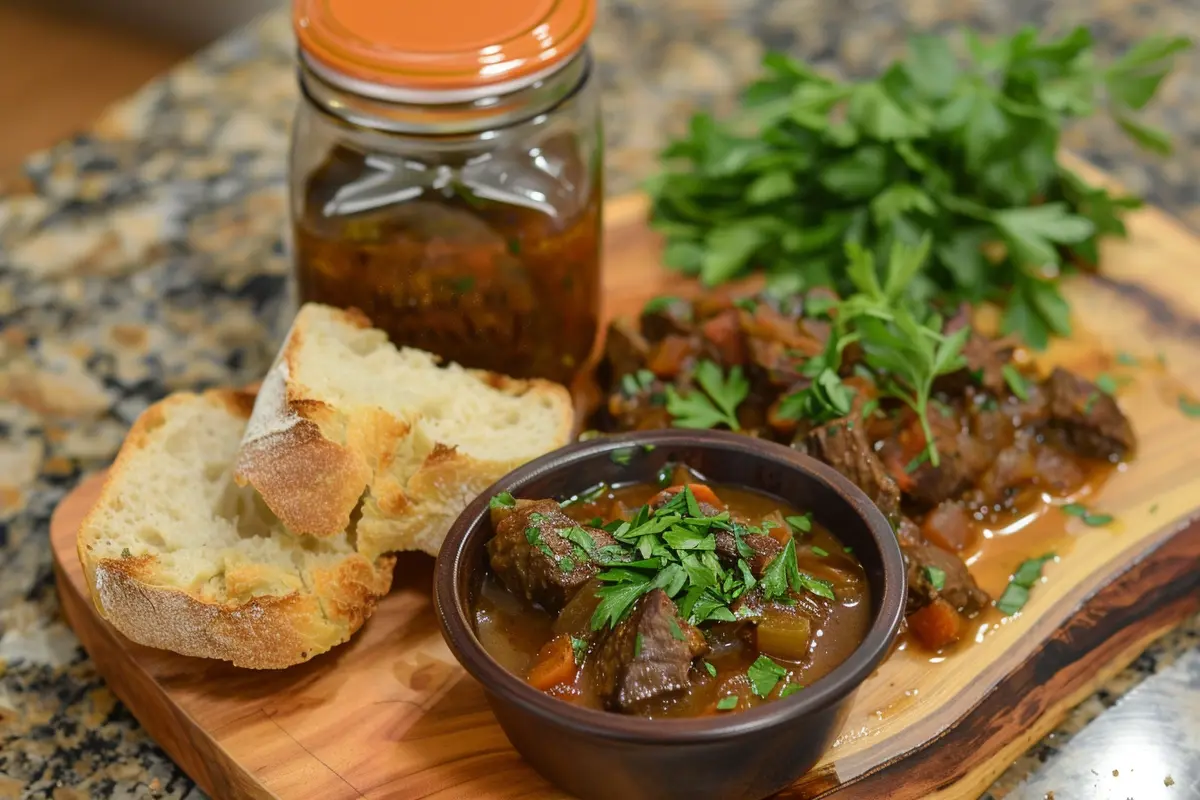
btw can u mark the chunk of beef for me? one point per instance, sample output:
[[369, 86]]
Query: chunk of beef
[[625, 351], [961, 458], [958, 587], [1090, 421], [534, 561], [763, 550], [648, 654], [723, 340], [845, 447], [667, 315], [779, 344], [949, 526]]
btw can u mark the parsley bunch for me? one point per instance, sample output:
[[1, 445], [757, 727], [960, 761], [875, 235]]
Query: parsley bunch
[[673, 548], [962, 149]]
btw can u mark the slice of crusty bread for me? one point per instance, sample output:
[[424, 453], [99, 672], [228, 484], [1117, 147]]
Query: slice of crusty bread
[[181, 558], [348, 424]]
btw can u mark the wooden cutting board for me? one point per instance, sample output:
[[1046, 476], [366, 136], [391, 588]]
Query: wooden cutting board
[[391, 714]]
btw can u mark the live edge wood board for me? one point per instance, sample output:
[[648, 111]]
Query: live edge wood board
[[391, 714]]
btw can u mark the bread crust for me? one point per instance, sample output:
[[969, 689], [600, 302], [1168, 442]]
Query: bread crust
[[313, 465], [264, 632]]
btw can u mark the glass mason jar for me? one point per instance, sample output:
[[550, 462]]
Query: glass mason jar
[[463, 215]]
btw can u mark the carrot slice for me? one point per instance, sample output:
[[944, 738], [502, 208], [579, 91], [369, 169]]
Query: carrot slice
[[936, 625], [554, 664]]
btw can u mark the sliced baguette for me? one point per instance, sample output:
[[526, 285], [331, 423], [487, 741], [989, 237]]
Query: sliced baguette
[[346, 421], [179, 557]]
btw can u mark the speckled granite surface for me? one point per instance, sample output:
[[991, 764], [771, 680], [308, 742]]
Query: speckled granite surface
[[145, 257]]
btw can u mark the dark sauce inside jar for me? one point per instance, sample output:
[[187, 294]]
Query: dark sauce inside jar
[[491, 264]]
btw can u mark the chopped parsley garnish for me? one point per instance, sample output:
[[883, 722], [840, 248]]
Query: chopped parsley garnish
[[819, 551], [622, 456], [847, 549], [714, 403], [748, 304], [502, 500], [919, 459], [1089, 518], [125, 553], [783, 573], [579, 536], [1106, 383], [936, 576], [727, 703], [660, 303], [789, 690], [1126, 359], [676, 631], [637, 645], [1090, 402], [1016, 594], [1190, 408], [579, 647], [673, 548], [1154, 508], [587, 495], [566, 564], [634, 383], [1016, 381], [764, 674], [708, 666], [800, 523]]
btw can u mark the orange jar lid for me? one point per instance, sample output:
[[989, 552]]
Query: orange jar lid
[[439, 50]]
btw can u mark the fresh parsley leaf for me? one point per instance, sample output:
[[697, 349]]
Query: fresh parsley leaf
[[1016, 381], [579, 536], [764, 674], [637, 645], [789, 690], [616, 600], [622, 456], [1189, 407], [716, 403], [1016, 594], [819, 551], [502, 500], [783, 573], [587, 495], [579, 647], [800, 523], [1012, 600], [710, 669], [1089, 518], [1106, 383], [661, 303], [936, 576], [566, 564], [1126, 359], [727, 703]]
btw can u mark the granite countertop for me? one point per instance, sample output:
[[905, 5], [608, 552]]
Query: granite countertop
[[145, 256]]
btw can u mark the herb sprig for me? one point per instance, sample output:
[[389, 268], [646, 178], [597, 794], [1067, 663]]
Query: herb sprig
[[673, 548], [962, 148], [716, 401]]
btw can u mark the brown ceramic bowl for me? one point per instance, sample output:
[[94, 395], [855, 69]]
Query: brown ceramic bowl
[[748, 754]]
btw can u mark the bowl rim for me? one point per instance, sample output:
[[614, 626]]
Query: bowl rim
[[454, 615]]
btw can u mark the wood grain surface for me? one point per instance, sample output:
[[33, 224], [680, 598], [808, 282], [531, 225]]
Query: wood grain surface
[[391, 715]]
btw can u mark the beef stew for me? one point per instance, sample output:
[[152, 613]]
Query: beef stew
[[676, 599], [1005, 439]]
